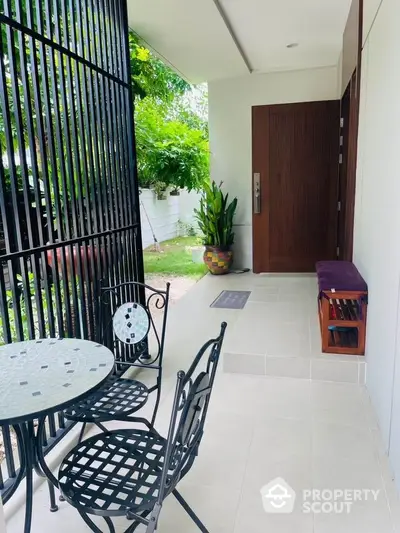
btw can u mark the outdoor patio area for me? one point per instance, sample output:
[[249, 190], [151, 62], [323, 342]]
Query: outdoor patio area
[[280, 408]]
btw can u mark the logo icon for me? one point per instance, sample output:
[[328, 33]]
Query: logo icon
[[278, 496]]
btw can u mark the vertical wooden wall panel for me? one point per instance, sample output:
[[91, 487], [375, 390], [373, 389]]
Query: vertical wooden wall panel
[[351, 75], [352, 38]]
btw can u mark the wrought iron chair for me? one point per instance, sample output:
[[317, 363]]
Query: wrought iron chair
[[130, 472], [129, 328]]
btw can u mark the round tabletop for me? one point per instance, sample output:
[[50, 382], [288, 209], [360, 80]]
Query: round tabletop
[[42, 376]]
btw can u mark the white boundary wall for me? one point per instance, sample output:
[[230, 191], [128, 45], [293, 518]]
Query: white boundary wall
[[165, 214]]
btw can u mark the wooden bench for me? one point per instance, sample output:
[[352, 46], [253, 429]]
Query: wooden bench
[[342, 307]]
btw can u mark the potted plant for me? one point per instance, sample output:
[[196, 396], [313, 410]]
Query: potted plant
[[160, 190], [215, 218]]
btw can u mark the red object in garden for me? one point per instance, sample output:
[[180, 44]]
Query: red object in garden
[[85, 255]]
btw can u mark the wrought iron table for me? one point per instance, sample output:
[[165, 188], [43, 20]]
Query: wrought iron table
[[40, 377]]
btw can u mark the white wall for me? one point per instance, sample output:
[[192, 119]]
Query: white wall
[[165, 214], [230, 103], [188, 202], [377, 215]]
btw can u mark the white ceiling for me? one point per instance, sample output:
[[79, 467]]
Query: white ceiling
[[193, 36], [190, 34]]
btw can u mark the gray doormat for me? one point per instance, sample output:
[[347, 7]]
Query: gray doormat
[[231, 300]]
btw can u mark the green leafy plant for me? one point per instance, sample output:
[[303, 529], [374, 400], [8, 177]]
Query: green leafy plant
[[215, 216], [185, 229], [150, 76], [168, 150], [47, 307], [160, 188]]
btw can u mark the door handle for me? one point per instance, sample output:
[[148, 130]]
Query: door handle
[[257, 193]]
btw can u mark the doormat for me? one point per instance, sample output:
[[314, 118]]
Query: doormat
[[231, 300]]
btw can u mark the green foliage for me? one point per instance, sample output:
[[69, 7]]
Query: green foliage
[[192, 108], [150, 77], [169, 151], [171, 124], [24, 305], [160, 189], [175, 258], [186, 230], [215, 216]]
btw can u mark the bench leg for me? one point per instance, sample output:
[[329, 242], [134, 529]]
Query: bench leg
[[324, 323]]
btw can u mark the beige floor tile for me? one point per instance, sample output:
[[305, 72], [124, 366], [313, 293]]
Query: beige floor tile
[[267, 294], [65, 520], [284, 398], [238, 394], [338, 402], [370, 411], [303, 298], [257, 521], [339, 371], [374, 518], [275, 313], [343, 442], [251, 515], [223, 453], [295, 469], [338, 473], [284, 367], [288, 343], [216, 508], [277, 439], [244, 363]]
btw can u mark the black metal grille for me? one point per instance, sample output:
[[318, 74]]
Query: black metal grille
[[68, 188]]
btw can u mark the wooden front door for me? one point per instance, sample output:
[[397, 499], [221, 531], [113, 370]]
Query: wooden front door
[[295, 161]]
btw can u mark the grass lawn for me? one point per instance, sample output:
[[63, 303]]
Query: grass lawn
[[175, 258]]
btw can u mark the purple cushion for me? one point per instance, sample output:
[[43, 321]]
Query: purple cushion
[[339, 275]]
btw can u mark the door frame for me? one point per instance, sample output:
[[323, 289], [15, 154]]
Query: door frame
[[260, 132]]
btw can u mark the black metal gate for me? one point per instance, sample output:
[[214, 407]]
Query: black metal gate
[[68, 187]]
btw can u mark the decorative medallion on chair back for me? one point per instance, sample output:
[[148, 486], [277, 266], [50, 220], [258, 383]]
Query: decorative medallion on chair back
[[134, 319], [131, 331]]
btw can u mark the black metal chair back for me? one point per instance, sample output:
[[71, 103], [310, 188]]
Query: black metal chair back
[[128, 324], [189, 412]]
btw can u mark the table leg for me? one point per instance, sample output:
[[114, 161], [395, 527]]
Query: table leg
[[28, 450], [32, 459], [41, 467], [22, 469]]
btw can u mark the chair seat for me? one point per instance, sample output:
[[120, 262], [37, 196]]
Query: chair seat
[[115, 399], [114, 472]]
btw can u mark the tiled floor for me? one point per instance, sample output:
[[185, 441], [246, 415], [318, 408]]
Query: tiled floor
[[277, 333], [315, 434]]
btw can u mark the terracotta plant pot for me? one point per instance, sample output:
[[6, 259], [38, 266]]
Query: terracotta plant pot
[[218, 259], [75, 258]]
